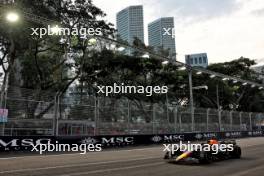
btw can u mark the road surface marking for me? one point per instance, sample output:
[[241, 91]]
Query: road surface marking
[[114, 169], [247, 172]]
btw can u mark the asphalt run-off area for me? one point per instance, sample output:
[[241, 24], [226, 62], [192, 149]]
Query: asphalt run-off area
[[139, 161]]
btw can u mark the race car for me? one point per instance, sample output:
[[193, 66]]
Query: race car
[[206, 156]]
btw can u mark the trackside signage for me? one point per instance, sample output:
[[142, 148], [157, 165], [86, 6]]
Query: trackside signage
[[233, 134], [128, 140], [205, 135], [17, 143], [167, 138], [255, 133], [20, 143]]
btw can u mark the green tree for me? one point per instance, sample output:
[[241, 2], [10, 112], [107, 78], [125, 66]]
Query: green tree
[[233, 96], [43, 63]]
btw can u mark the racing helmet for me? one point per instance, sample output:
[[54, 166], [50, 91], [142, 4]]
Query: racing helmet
[[213, 141]]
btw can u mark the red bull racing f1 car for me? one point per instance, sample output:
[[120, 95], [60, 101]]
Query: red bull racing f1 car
[[205, 156]]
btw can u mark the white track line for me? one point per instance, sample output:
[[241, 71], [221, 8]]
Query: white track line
[[247, 172], [114, 169]]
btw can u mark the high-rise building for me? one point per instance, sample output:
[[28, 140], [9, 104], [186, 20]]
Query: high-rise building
[[161, 35], [259, 71], [130, 24], [197, 60]]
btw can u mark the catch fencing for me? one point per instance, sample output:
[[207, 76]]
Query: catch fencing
[[33, 112]]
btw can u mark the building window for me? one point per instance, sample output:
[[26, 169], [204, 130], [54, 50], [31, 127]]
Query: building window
[[204, 60], [200, 60], [196, 60], [191, 61]]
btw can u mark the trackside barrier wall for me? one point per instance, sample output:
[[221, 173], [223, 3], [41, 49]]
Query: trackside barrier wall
[[19, 143]]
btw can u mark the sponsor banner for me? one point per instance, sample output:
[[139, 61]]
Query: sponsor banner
[[206, 136], [255, 133], [167, 138], [234, 134], [13, 143], [106, 141], [20, 143]]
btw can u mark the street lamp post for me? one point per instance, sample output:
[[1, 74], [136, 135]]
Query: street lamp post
[[218, 107], [191, 98], [56, 118], [12, 17]]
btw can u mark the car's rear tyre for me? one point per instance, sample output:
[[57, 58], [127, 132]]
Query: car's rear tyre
[[205, 158], [236, 152]]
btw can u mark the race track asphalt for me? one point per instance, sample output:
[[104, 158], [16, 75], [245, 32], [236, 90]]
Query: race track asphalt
[[145, 161]]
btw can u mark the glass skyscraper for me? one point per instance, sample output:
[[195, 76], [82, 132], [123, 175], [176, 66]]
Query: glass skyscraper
[[161, 34], [130, 23]]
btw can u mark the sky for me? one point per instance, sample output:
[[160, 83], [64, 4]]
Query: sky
[[224, 29]]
